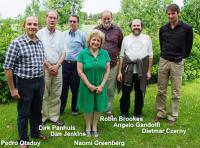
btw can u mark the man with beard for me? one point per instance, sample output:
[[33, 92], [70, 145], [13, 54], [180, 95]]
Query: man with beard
[[113, 40], [136, 58]]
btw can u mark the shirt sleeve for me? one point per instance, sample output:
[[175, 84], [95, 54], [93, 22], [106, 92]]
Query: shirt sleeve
[[122, 49], [84, 40], [189, 42], [80, 57], [107, 56], [11, 56], [150, 49]]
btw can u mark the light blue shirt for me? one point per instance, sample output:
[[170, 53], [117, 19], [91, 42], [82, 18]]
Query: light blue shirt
[[75, 42]]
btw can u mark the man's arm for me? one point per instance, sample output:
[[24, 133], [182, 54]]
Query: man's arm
[[119, 77], [9, 77], [189, 42], [149, 68]]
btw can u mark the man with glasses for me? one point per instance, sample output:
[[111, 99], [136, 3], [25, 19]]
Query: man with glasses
[[113, 41], [75, 41]]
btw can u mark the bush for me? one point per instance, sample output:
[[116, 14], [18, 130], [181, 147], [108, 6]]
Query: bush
[[7, 34]]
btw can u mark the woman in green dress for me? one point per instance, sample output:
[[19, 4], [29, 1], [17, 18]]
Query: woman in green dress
[[93, 67]]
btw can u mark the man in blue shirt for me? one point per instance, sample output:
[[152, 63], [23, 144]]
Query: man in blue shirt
[[75, 41]]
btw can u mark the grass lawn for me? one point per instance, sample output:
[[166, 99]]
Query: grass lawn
[[132, 136]]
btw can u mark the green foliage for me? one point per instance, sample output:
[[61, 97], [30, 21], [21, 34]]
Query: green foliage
[[132, 136], [192, 66], [6, 35], [151, 12], [65, 8], [191, 14], [34, 9]]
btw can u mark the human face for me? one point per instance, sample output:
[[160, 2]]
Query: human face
[[106, 19], [136, 27], [73, 23], [31, 26], [51, 20], [95, 42], [172, 16]]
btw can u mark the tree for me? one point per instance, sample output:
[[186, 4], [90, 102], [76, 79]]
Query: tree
[[65, 8], [7, 33], [34, 9], [152, 13], [191, 14]]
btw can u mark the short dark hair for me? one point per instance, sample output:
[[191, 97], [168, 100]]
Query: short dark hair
[[74, 15], [173, 7]]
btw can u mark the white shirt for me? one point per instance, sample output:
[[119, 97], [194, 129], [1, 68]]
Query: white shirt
[[136, 47], [53, 43]]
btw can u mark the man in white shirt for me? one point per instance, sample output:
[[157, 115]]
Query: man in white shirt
[[53, 41], [136, 59]]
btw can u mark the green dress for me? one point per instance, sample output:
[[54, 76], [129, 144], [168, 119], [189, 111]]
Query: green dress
[[94, 69]]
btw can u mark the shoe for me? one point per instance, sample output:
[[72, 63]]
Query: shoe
[[57, 123], [157, 119], [171, 122], [23, 146], [88, 133], [42, 137], [74, 113], [95, 134], [109, 114], [124, 115]]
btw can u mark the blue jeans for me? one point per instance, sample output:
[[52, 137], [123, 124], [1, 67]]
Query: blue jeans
[[70, 79], [29, 106]]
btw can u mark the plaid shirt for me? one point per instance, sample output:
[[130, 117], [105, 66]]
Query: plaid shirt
[[25, 58]]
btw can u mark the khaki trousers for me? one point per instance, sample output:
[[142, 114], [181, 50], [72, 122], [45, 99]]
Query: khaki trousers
[[111, 85], [173, 71], [51, 99]]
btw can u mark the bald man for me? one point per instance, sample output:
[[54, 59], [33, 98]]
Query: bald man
[[113, 41], [23, 67], [136, 58]]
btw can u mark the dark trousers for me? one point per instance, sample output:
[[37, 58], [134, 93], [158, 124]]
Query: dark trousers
[[125, 99], [70, 79], [29, 106]]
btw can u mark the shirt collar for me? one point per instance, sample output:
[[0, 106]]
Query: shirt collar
[[111, 27], [99, 53], [28, 39], [178, 25]]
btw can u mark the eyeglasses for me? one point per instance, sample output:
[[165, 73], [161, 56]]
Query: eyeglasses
[[72, 21]]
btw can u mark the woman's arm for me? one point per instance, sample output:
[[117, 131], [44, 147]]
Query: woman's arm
[[82, 75], [100, 87]]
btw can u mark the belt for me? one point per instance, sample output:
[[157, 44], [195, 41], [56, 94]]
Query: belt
[[71, 62], [173, 59]]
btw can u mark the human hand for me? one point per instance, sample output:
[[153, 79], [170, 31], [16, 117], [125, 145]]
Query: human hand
[[15, 94], [92, 88], [99, 89], [148, 75], [119, 77]]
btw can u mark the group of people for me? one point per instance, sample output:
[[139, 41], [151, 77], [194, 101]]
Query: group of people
[[40, 66]]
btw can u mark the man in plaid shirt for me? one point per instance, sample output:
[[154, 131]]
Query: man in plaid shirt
[[23, 67]]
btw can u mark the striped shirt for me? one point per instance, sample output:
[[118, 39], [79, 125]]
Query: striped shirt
[[25, 58]]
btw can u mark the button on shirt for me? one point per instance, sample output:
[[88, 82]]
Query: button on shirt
[[25, 58], [137, 47], [53, 44], [177, 42], [75, 41], [113, 41]]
